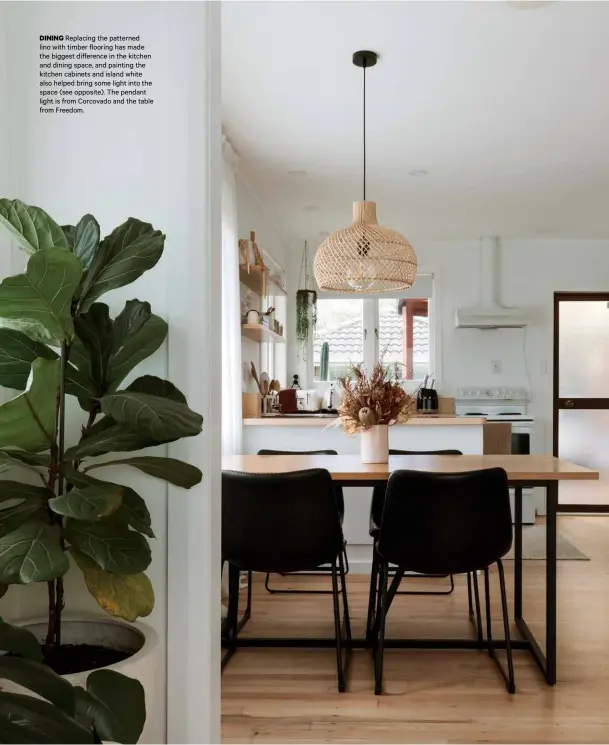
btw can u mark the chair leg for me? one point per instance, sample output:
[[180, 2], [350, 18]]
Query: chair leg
[[380, 639], [343, 583], [489, 633], [509, 676], [372, 597], [478, 611], [232, 623], [338, 632], [511, 684], [470, 605], [428, 592]]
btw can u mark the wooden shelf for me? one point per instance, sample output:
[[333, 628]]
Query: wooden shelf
[[254, 280], [256, 332]]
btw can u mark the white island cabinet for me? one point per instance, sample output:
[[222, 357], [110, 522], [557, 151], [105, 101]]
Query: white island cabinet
[[431, 432]]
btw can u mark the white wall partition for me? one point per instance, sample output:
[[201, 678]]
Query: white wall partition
[[158, 163]]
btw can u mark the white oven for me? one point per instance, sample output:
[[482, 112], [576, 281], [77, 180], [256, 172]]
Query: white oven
[[504, 405]]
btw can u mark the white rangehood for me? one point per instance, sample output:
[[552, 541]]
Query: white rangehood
[[489, 313]]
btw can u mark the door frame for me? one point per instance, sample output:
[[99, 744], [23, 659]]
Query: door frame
[[598, 403]]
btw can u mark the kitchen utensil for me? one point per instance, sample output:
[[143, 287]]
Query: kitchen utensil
[[264, 383], [255, 376], [275, 386]]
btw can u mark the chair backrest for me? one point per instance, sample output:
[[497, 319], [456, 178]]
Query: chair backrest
[[280, 522], [446, 523], [266, 451], [425, 452], [378, 493], [338, 490]]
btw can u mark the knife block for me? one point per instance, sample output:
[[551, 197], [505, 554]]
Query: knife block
[[251, 403]]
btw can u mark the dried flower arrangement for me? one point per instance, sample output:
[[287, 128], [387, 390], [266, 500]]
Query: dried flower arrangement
[[375, 399]]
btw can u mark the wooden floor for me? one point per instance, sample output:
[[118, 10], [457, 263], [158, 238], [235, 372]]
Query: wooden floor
[[431, 696]]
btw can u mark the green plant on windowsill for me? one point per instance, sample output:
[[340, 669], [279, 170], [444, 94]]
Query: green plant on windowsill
[[112, 708], [58, 341]]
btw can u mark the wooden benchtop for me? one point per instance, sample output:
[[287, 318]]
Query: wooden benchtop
[[350, 467], [306, 421]]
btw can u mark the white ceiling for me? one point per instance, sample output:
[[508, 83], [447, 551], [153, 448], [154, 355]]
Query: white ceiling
[[506, 108]]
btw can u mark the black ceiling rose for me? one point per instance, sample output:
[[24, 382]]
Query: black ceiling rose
[[365, 58]]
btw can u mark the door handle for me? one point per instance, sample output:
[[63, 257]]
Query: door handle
[[569, 404]]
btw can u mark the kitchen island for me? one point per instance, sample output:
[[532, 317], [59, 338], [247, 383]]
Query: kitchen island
[[323, 432]]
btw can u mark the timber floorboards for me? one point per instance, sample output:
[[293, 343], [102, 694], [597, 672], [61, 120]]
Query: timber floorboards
[[431, 696]]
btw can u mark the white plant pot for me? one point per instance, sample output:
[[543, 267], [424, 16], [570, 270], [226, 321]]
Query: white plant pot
[[375, 444], [146, 664]]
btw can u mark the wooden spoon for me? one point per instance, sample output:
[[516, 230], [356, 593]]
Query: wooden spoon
[[255, 376]]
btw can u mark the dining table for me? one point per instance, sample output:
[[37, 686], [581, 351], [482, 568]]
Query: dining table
[[523, 471]]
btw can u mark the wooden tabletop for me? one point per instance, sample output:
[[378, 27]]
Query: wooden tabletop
[[350, 467]]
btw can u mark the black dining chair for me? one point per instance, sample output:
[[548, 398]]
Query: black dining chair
[[263, 531], [340, 501], [442, 524], [376, 513]]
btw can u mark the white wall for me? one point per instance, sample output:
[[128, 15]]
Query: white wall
[[531, 270], [253, 216], [154, 163]]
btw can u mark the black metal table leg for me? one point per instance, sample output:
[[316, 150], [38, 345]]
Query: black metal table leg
[[518, 552], [552, 505]]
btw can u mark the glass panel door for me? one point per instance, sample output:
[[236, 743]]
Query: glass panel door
[[581, 393]]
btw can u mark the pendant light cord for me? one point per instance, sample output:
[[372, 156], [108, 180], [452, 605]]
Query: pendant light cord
[[364, 113]]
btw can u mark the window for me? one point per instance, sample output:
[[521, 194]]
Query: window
[[340, 325], [366, 329]]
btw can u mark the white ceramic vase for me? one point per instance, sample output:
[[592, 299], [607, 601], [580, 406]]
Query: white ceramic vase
[[146, 663], [374, 444]]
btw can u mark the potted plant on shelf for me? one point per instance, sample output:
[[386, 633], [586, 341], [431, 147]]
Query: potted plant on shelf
[[370, 404], [59, 346], [111, 707]]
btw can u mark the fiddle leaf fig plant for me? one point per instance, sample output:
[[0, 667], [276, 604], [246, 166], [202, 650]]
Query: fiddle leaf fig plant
[[59, 344]]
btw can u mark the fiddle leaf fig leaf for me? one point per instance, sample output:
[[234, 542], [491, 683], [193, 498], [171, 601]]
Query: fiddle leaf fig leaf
[[12, 517], [20, 641], [170, 469], [160, 419], [86, 239], [28, 421], [119, 713], [110, 544], [95, 332], [128, 596], [32, 553], [24, 719], [107, 438], [24, 458], [31, 227], [133, 510], [70, 233], [39, 301], [17, 352], [131, 249], [40, 679], [137, 334], [90, 503], [156, 387]]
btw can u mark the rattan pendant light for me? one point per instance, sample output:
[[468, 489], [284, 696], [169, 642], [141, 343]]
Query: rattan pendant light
[[365, 257]]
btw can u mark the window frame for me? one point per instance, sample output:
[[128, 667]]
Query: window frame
[[371, 343]]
